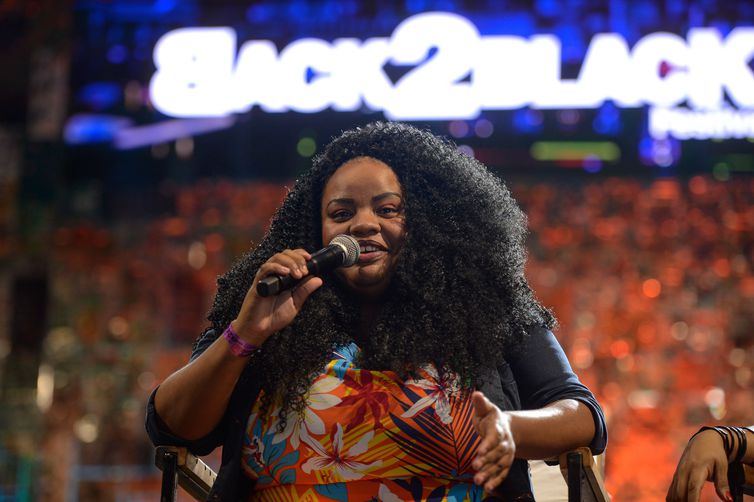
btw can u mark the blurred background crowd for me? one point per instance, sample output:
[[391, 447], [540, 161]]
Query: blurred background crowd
[[109, 251]]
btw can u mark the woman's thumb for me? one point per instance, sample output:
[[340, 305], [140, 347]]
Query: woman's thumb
[[482, 405]]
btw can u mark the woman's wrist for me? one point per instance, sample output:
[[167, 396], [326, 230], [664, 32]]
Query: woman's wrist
[[238, 346]]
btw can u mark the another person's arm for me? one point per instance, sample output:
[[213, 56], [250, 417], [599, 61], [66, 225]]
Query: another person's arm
[[191, 402], [705, 459]]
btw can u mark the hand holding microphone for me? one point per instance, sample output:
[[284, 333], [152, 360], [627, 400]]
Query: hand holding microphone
[[268, 307], [343, 251]]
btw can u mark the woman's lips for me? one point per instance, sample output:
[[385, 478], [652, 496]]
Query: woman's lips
[[370, 256], [370, 251]]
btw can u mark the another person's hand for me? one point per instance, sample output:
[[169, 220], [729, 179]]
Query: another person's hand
[[497, 449], [704, 459], [259, 316]]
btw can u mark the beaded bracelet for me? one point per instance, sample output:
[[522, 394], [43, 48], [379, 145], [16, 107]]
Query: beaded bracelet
[[237, 346]]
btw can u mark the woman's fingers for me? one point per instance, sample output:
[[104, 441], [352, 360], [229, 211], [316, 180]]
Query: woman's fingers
[[492, 438], [288, 262], [496, 449], [673, 490], [272, 268], [492, 463], [305, 288], [296, 261], [492, 476], [261, 316], [500, 455], [491, 456], [694, 485], [495, 480]]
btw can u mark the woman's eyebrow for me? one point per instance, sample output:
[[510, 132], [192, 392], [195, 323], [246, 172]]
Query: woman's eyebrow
[[376, 198], [340, 200], [385, 195]]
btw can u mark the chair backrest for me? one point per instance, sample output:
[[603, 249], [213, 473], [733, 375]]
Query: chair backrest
[[181, 467], [741, 481]]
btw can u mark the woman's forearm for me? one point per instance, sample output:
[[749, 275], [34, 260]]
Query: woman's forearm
[[191, 401], [547, 432]]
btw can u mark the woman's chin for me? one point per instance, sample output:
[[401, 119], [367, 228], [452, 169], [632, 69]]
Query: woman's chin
[[367, 286]]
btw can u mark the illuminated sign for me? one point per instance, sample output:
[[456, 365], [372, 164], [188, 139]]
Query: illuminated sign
[[199, 75]]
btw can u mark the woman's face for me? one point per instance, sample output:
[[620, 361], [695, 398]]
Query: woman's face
[[364, 199]]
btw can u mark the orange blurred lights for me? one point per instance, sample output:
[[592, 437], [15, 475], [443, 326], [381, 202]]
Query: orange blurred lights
[[679, 330], [746, 286], [620, 349], [581, 354], [643, 399], [646, 333], [737, 357], [175, 227], [698, 185], [651, 288], [197, 255], [118, 327], [721, 267], [715, 400], [214, 243], [743, 377], [625, 364], [672, 276]]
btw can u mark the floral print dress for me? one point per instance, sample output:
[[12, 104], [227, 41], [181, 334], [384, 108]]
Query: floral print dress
[[366, 435]]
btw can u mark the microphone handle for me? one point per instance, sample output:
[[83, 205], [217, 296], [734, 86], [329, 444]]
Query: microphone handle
[[322, 260]]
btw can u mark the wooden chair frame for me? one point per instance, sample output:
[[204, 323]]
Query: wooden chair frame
[[741, 481]]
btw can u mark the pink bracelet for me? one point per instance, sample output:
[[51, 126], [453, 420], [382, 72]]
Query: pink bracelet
[[237, 346]]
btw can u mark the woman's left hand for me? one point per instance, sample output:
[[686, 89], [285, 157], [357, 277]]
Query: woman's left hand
[[497, 448]]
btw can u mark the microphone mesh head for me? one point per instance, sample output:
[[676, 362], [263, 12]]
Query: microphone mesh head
[[350, 247]]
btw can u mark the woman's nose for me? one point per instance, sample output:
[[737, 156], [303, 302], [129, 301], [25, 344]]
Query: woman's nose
[[364, 224]]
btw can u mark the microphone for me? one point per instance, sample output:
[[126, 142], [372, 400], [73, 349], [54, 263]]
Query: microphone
[[343, 251]]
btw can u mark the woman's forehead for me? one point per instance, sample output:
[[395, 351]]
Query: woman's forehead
[[362, 173]]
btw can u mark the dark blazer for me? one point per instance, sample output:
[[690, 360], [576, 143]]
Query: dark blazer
[[536, 375]]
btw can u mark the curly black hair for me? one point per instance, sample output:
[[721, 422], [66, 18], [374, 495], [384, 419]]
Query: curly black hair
[[458, 297]]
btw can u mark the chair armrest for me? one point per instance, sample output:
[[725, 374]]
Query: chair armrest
[[583, 475], [192, 474], [748, 485]]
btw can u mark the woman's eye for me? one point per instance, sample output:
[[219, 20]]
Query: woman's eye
[[387, 210], [341, 215]]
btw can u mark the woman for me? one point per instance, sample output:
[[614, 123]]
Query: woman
[[706, 458], [363, 383]]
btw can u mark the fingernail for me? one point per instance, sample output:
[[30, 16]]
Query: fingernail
[[728, 496]]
